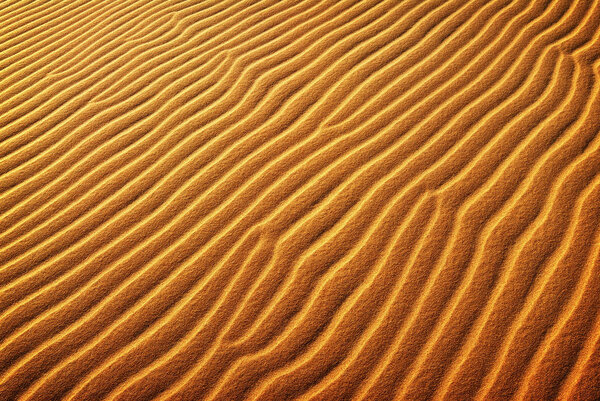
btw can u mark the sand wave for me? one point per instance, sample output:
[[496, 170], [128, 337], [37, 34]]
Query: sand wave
[[265, 199]]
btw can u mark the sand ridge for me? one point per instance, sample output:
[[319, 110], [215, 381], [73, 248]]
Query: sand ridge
[[316, 200]]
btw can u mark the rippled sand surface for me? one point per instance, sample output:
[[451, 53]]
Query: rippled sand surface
[[315, 200]]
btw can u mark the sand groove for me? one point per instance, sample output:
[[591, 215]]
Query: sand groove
[[313, 199]]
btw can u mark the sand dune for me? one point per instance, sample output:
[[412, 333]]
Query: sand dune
[[316, 200]]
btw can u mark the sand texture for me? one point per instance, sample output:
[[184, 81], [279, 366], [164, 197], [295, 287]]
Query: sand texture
[[316, 200]]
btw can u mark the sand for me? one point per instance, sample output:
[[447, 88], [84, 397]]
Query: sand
[[314, 200]]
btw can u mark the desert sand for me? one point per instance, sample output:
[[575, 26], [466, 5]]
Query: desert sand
[[314, 200]]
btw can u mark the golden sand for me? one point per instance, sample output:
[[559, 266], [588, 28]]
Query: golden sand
[[315, 200]]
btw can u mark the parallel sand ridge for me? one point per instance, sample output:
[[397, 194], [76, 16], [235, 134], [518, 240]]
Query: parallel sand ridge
[[318, 199]]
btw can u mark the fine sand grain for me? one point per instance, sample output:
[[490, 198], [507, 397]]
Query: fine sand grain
[[315, 200]]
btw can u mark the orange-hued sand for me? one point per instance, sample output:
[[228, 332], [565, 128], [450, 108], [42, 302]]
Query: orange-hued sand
[[315, 200]]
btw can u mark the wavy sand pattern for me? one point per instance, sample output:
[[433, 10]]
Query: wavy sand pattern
[[316, 199]]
